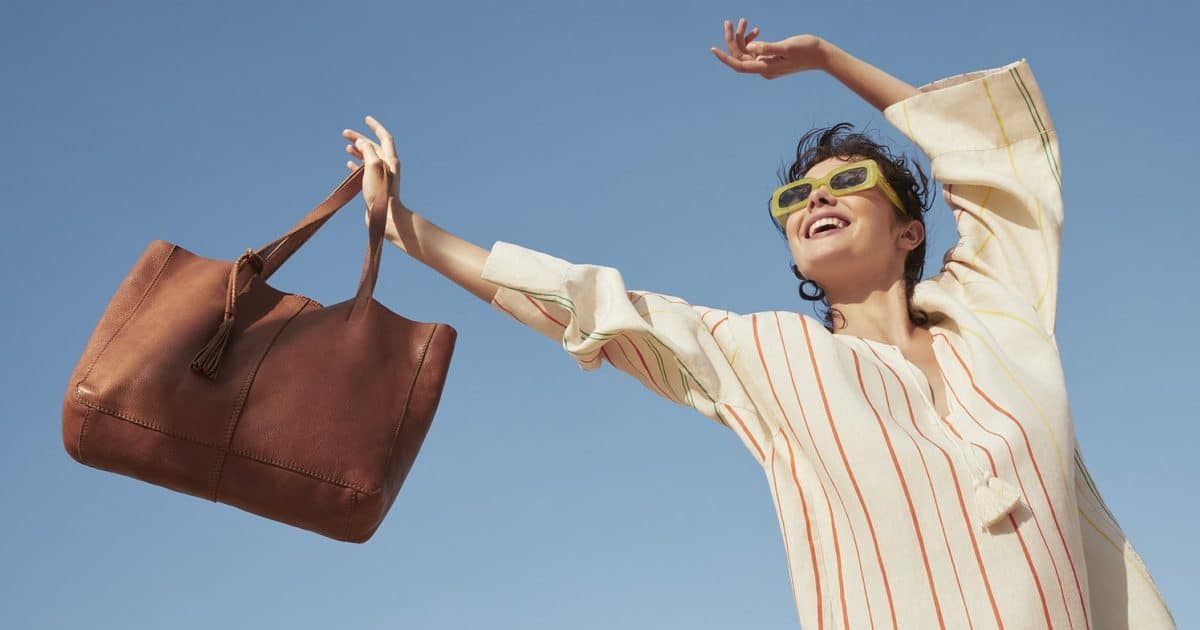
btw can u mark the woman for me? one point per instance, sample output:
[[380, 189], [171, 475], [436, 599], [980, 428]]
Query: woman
[[919, 445]]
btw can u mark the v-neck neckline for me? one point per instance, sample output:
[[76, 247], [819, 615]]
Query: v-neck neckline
[[915, 371]]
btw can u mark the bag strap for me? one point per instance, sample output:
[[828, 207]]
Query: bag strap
[[276, 253]]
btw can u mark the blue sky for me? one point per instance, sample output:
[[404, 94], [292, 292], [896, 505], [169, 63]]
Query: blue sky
[[598, 132]]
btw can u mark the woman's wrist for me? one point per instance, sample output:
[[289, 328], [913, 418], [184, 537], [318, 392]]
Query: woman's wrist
[[826, 52], [875, 86]]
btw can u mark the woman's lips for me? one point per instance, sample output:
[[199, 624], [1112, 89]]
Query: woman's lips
[[824, 233]]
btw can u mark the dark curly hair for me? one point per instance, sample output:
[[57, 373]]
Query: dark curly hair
[[841, 141]]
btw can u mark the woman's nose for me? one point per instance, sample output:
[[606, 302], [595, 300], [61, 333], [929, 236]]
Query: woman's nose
[[821, 197]]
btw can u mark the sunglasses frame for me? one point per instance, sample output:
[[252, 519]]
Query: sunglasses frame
[[874, 178]]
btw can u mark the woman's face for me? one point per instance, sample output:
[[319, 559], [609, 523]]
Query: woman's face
[[871, 247]]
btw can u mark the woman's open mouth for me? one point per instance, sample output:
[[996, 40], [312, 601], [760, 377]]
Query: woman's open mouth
[[827, 226]]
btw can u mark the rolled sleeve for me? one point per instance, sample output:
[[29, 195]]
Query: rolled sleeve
[[673, 348], [992, 145]]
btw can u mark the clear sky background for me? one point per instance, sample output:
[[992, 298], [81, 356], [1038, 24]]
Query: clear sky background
[[600, 132]]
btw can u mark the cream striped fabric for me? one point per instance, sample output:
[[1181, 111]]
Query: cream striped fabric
[[890, 513]]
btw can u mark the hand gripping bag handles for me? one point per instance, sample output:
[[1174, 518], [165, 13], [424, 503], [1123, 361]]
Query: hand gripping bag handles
[[202, 378]]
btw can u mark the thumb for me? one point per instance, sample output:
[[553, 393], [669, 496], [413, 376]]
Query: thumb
[[765, 48]]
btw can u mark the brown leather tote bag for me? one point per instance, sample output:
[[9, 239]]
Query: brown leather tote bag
[[202, 378]]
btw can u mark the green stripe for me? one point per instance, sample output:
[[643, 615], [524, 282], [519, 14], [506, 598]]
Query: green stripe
[[662, 368], [1039, 124], [1087, 477], [686, 390], [568, 304]]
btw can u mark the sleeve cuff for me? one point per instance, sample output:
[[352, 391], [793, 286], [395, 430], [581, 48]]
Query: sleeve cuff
[[522, 269], [975, 111]]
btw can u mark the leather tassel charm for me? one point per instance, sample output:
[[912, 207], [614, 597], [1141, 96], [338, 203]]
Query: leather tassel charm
[[994, 499], [209, 358]]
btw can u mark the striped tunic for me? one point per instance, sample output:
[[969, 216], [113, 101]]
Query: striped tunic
[[893, 516]]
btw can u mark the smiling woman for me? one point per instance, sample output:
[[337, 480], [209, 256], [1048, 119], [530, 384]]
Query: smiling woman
[[921, 452], [855, 164]]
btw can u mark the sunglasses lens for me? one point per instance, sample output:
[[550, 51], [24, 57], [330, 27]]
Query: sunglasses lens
[[849, 178], [793, 196]]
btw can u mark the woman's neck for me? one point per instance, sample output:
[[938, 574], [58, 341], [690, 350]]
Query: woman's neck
[[878, 312]]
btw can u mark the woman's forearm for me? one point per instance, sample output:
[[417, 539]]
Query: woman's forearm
[[875, 86], [459, 260]]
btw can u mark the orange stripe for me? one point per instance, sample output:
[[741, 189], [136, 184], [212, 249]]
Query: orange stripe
[[713, 330], [631, 366], [641, 358], [912, 510], [837, 549], [742, 423], [513, 315], [812, 551], [767, 372], [1028, 560], [782, 521], [845, 462], [1041, 482], [961, 504], [539, 307], [821, 459]]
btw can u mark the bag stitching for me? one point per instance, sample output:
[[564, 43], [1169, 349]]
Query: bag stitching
[[235, 416], [411, 386], [245, 455], [136, 308], [87, 413]]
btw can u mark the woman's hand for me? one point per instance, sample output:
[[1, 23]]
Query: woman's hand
[[381, 175], [770, 60]]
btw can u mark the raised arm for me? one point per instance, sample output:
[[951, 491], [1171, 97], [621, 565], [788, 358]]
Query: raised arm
[[458, 259], [678, 351], [991, 144], [799, 53]]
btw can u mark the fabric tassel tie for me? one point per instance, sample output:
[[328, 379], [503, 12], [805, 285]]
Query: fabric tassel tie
[[208, 360], [995, 498]]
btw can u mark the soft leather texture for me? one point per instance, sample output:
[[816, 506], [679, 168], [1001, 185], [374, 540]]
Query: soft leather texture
[[313, 417]]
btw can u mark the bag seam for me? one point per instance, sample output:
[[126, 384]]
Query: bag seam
[[235, 416], [136, 308], [245, 455], [408, 398]]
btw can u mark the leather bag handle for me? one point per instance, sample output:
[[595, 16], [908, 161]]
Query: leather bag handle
[[276, 253], [267, 260]]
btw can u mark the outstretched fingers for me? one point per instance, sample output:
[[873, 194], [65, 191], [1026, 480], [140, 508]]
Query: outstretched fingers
[[750, 65], [387, 146], [739, 44]]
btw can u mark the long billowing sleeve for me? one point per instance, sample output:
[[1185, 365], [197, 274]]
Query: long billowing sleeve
[[992, 145], [675, 349]]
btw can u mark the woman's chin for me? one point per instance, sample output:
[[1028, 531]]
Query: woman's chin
[[813, 258]]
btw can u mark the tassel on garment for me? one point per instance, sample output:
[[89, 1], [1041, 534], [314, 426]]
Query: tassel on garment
[[994, 499]]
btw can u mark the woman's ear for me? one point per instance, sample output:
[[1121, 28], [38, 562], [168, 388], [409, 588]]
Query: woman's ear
[[911, 236]]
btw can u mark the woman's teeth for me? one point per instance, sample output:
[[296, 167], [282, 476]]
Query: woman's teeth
[[817, 225]]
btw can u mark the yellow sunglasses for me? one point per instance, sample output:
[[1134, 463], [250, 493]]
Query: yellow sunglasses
[[844, 180]]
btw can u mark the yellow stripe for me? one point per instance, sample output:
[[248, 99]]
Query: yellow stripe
[[1000, 124], [1041, 414], [983, 208], [1041, 333], [1100, 531], [1122, 549], [1037, 204]]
